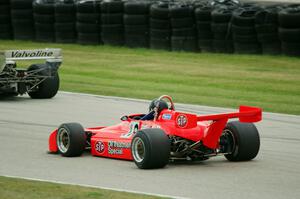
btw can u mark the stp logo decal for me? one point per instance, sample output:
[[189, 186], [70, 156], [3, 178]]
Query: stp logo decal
[[99, 147], [181, 121]]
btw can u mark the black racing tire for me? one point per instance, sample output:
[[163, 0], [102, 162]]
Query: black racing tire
[[5, 28], [88, 38], [161, 34], [21, 4], [137, 30], [268, 38], [221, 15], [289, 35], [204, 35], [111, 6], [64, 18], [44, 27], [188, 44], [219, 27], [182, 22], [289, 17], [203, 13], [203, 25], [71, 139], [88, 7], [136, 19], [87, 28], [64, 8], [46, 89], [6, 35], [266, 28], [136, 41], [244, 17], [184, 32], [5, 9], [150, 149], [247, 48], [88, 18], [160, 43], [115, 29], [65, 27], [112, 18], [240, 30], [159, 24], [65, 37], [4, 19], [136, 7], [245, 38], [246, 141], [44, 18], [43, 8], [206, 45], [160, 11], [44, 36], [223, 46], [21, 13], [181, 11]]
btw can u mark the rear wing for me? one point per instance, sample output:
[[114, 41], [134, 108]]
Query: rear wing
[[51, 55], [245, 114]]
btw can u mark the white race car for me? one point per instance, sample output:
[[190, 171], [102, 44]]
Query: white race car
[[38, 80]]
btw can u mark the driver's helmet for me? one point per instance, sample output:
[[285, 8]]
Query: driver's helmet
[[161, 104]]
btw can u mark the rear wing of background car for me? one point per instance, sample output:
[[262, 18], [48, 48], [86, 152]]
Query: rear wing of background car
[[53, 56]]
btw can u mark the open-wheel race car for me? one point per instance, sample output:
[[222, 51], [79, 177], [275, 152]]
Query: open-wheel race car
[[152, 140], [38, 80]]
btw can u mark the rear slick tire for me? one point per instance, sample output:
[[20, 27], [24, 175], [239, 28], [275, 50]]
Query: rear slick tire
[[246, 142]]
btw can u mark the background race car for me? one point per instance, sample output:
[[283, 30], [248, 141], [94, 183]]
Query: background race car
[[38, 80]]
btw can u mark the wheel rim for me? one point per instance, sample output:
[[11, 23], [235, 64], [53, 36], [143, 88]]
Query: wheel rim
[[138, 149], [230, 143], [63, 140]]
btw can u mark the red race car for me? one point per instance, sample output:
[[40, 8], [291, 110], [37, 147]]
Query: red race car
[[164, 134]]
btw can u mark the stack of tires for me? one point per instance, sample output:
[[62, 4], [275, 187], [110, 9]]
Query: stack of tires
[[65, 31], [203, 26], [289, 30], [22, 19], [183, 28], [160, 27], [266, 25], [88, 22], [136, 23], [221, 28], [244, 32], [43, 12], [112, 30], [5, 27]]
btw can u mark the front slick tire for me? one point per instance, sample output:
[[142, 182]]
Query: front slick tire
[[246, 141], [70, 139], [150, 149]]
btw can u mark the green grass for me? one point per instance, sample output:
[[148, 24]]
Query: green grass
[[13, 188], [271, 82]]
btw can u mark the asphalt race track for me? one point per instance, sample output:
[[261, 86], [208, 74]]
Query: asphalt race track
[[26, 123]]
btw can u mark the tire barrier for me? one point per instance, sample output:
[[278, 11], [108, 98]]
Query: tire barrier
[[160, 26], [112, 28], [22, 19], [65, 22], [5, 20], [88, 24], [221, 26], [136, 23], [183, 28], [43, 12], [289, 30]]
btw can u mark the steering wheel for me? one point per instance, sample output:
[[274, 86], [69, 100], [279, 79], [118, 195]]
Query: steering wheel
[[169, 99]]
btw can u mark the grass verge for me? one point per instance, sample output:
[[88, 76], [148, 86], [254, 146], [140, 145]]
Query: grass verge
[[270, 82], [13, 188]]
